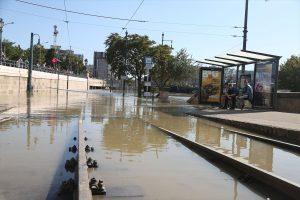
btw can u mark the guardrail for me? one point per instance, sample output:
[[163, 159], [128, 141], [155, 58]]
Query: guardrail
[[42, 68]]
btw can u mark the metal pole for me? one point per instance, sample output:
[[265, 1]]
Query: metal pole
[[29, 86], [111, 82], [162, 38], [245, 31], [126, 34], [1, 43]]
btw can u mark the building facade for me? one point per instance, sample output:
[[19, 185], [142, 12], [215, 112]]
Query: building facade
[[100, 66]]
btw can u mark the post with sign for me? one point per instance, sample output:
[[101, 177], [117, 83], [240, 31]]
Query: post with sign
[[147, 78]]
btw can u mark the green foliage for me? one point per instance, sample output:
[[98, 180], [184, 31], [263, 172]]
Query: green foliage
[[289, 74], [73, 63], [15, 52], [170, 69], [132, 49], [163, 69], [41, 56], [183, 67], [12, 52]]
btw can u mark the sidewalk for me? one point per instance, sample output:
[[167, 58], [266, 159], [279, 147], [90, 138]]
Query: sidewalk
[[273, 124]]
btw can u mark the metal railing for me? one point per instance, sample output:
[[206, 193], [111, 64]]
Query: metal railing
[[41, 68]]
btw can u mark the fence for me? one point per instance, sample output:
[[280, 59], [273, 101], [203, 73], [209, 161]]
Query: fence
[[42, 68]]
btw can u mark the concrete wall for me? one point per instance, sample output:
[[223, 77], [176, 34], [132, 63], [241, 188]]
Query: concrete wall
[[12, 79], [288, 102]]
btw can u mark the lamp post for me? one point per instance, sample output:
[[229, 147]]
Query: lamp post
[[2, 24], [29, 86]]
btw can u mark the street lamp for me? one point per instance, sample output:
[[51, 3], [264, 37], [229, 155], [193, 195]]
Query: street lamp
[[2, 24], [29, 86]]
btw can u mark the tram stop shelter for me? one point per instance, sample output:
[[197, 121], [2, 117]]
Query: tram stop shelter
[[264, 78]]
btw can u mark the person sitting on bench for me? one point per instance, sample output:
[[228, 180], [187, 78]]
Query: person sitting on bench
[[247, 94], [231, 97]]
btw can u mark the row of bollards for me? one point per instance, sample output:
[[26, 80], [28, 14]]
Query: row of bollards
[[69, 186], [96, 187]]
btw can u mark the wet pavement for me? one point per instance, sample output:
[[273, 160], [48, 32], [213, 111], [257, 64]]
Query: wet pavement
[[136, 161]]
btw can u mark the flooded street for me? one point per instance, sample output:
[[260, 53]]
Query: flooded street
[[136, 160], [268, 157]]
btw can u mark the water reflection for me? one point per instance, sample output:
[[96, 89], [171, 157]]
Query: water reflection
[[33, 145], [140, 162], [260, 154], [130, 136]]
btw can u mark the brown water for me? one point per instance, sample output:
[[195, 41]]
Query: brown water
[[34, 145], [136, 160], [260, 154]]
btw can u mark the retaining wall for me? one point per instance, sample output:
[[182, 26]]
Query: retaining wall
[[12, 79]]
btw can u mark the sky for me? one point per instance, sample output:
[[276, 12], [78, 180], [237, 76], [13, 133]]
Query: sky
[[203, 27]]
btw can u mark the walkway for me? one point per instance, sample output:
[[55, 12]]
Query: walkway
[[278, 125]]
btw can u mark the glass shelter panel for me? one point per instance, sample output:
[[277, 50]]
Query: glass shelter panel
[[211, 84], [265, 80]]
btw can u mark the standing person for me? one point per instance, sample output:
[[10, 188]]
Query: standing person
[[225, 95], [19, 63], [247, 94]]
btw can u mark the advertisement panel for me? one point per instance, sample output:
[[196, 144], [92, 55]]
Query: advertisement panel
[[264, 84], [211, 86]]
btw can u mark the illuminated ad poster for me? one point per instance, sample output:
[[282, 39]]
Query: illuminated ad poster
[[264, 84], [211, 86]]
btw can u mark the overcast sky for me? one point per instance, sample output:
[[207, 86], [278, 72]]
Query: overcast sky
[[203, 27]]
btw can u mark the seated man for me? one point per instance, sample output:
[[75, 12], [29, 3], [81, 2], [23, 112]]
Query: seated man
[[231, 96], [247, 94]]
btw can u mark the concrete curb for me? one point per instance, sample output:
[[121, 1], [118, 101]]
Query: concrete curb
[[84, 192], [283, 185], [286, 135]]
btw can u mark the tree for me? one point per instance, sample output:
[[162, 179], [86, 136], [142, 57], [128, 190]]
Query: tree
[[171, 69], [289, 74], [183, 67], [73, 63], [163, 69], [126, 56], [11, 51]]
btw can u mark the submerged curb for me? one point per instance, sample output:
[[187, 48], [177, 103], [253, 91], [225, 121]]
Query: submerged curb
[[277, 133], [84, 192], [281, 184]]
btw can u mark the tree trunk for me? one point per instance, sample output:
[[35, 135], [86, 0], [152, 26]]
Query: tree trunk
[[139, 83]]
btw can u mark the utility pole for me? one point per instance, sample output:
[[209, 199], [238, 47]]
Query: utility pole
[[126, 34], [1, 30], [245, 31], [2, 24], [163, 40], [29, 85]]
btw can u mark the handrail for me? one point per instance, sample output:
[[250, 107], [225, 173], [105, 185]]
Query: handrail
[[42, 68]]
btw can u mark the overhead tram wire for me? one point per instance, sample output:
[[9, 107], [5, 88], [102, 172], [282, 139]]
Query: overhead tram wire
[[67, 23], [118, 27], [130, 20], [134, 13], [79, 13]]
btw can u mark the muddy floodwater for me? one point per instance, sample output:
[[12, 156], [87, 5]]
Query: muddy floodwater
[[136, 160]]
